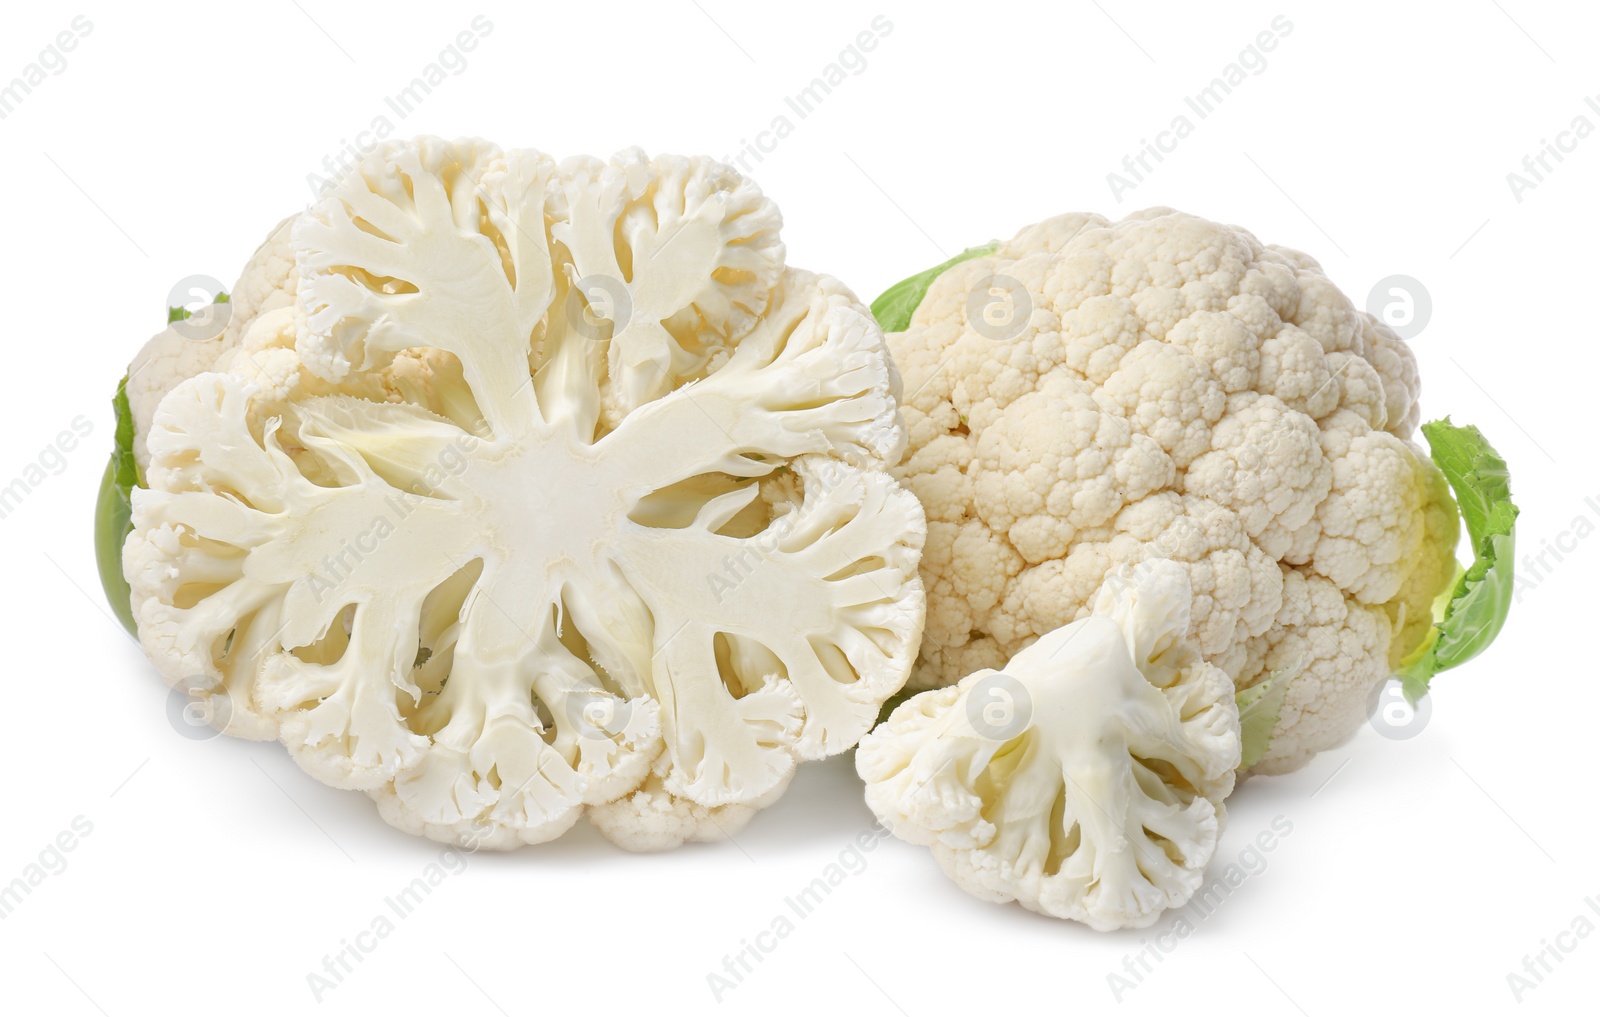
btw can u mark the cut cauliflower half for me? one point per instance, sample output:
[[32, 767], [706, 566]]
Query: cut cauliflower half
[[554, 489], [1092, 393], [1086, 779]]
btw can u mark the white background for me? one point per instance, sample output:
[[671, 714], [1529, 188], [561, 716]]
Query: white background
[[1418, 873]]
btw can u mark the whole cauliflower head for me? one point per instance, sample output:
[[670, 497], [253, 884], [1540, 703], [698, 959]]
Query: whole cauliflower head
[[548, 488], [1086, 779], [1090, 394]]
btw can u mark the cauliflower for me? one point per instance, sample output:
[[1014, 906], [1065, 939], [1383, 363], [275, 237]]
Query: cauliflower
[[524, 489], [1091, 394], [1086, 779], [192, 344]]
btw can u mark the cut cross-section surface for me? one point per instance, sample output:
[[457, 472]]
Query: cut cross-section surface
[[564, 493]]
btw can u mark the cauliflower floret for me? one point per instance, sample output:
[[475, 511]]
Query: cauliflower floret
[[978, 566], [1371, 522], [1178, 389], [267, 283], [1163, 392], [1335, 650], [174, 354], [1266, 466], [1226, 341], [653, 818], [1234, 585], [1086, 779], [1396, 365], [1296, 370], [1054, 464]]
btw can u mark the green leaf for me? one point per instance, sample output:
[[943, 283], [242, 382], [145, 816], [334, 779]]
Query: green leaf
[[1259, 708], [113, 511], [1468, 616], [183, 313], [895, 305]]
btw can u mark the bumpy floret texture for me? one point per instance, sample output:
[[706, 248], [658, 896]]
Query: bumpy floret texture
[[186, 348], [1096, 393], [1086, 780], [532, 488]]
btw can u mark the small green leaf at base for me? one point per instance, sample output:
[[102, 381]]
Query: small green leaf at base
[[113, 511], [895, 305], [184, 314], [1259, 707], [1470, 614]]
